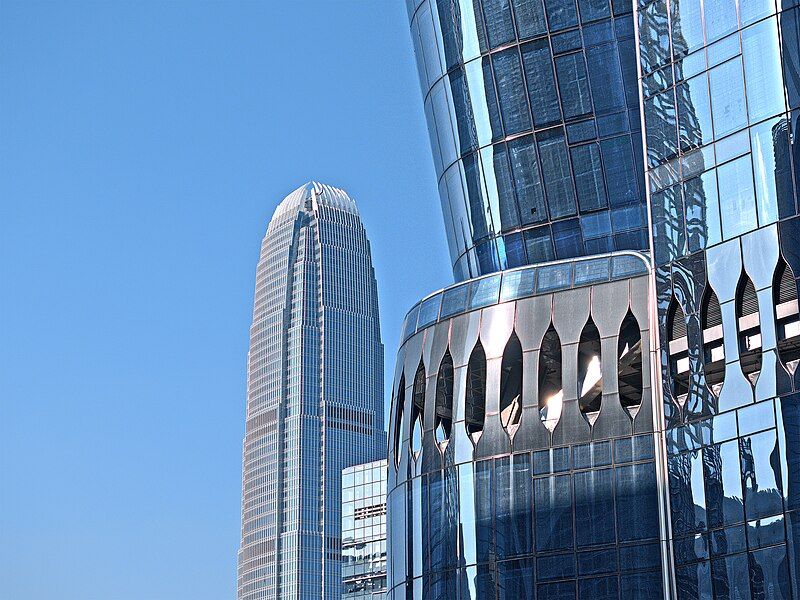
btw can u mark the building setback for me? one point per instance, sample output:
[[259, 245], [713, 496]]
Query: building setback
[[597, 410], [314, 394]]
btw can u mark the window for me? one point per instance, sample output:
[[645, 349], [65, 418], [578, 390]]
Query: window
[[551, 394], [444, 399], [511, 384], [749, 329], [629, 364], [475, 405], [590, 374], [418, 409], [713, 348], [786, 316], [398, 420], [678, 351]]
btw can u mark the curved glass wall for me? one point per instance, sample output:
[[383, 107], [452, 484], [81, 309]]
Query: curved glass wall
[[522, 496], [533, 115], [721, 92]]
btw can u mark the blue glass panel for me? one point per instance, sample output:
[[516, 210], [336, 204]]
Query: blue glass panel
[[530, 18], [641, 556], [737, 197], [484, 510], [642, 586], [605, 77], [484, 292], [557, 591], [592, 10], [567, 41], [694, 113], [761, 474], [573, 85], [592, 271], [429, 311], [694, 582], [517, 579], [595, 454], [581, 132], [596, 225], [589, 177], [558, 566], [499, 23], [539, 245], [637, 505], [561, 14], [511, 91], [515, 250], [556, 173], [617, 156], [654, 36], [553, 502], [517, 284], [756, 417], [527, 181], [410, 325], [454, 300], [553, 277], [723, 485], [553, 460], [770, 575], [568, 238], [731, 577], [727, 98], [594, 507], [720, 18], [627, 265], [687, 26], [727, 541], [541, 82], [770, 161], [598, 588], [703, 225], [594, 562]]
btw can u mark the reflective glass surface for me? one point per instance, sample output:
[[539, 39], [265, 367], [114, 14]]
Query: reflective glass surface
[[511, 91]]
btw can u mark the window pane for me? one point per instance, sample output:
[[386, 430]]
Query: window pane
[[727, 98], [687, 26], [557, 177], [762, 69], [594, 507], [588, 177], [605, 76], [553, 500], [736, 197], [528, 184], [511, 90], [499, 25], [620, 172], [561, 14], [694, 112], [530, 17], [720, 17], [573, 85], [541, 82], [568, 239]]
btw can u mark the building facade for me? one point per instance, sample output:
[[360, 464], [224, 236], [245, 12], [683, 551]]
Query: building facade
[[364, 531], [592, 421], [533, 115], [721, 88], [314, 394]]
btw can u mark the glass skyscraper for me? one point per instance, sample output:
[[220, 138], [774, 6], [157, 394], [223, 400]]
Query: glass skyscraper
[[364, 531], [602, 413], [533, 115], [721, 91], [314, 394]]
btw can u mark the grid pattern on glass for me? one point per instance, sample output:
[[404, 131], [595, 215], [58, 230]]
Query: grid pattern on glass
[[304, 425], [364, 531], [533, 116], [520, 283]]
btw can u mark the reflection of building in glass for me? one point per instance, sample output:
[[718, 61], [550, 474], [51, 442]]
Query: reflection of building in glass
[[529, 455], [314, 394], [726, 290], [533, 114], [364, 531]]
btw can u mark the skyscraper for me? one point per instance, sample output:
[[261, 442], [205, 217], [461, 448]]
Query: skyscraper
[[533, 115], [721, 88], [523, 456], [623, 425], [314, 394]]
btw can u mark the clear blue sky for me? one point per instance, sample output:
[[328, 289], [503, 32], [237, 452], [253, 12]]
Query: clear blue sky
[[143, 148]]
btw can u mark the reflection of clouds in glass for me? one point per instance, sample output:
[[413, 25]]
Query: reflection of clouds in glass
[[551, 412]]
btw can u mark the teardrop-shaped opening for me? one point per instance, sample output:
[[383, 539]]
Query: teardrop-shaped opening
[[400, 401], [590, 372], [551, 392], [444, 399], [511, 384], [417, 409], [713, 348], [629, 364], [787, 317], [749, 329], [678, 351], [475, 402]]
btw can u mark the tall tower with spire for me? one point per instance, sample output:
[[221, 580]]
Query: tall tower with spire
[[314, 394]]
